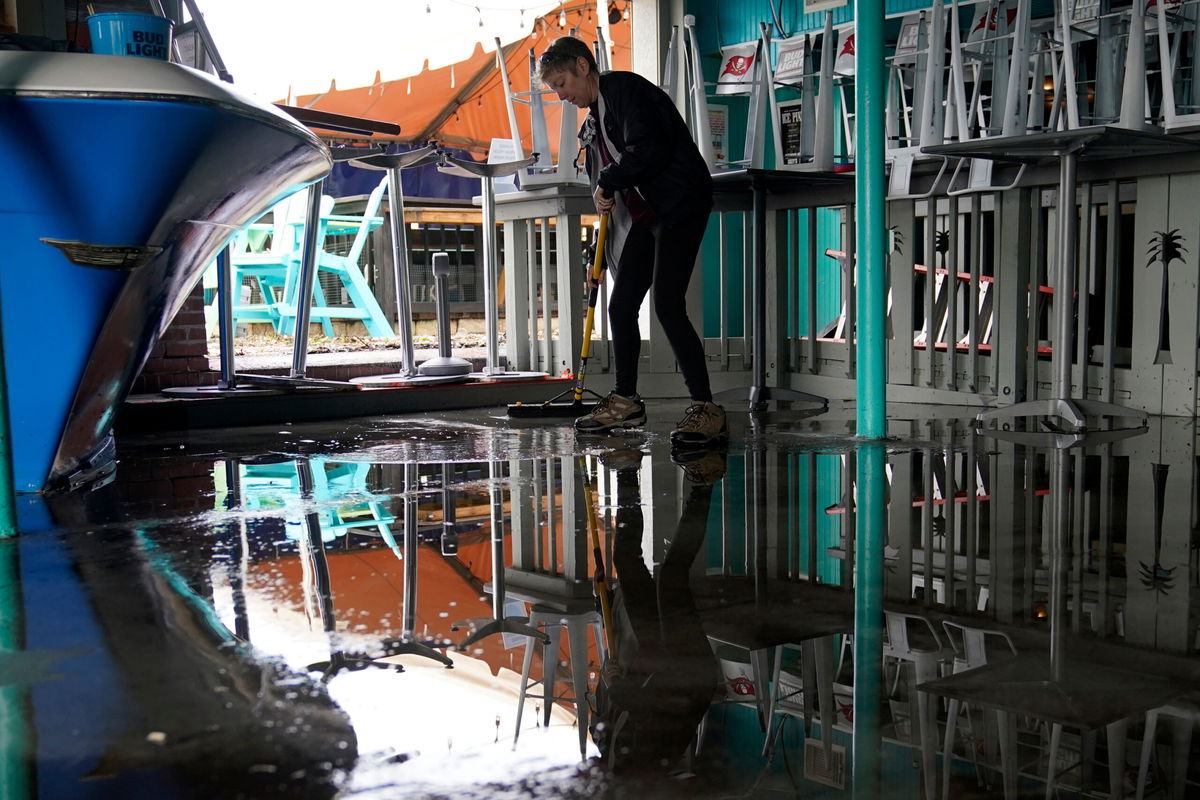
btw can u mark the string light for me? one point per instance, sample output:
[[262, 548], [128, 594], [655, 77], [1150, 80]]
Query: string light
[[562, 17], [480, 13], [625, 13]]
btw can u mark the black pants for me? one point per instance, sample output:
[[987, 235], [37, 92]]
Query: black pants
[[664, 256]]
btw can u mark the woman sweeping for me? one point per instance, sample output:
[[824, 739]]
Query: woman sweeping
[[647, 173]]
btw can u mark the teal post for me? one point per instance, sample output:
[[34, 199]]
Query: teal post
[[871, 230], [870, 517], [870, 537]]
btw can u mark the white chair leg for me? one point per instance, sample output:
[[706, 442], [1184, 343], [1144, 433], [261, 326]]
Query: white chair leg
[[762, 685], [1181, 748], [1147, 749], [1052, 759], [1006, 731], [1116, 757], [526, 666], [928, 735], [825, 692], [772, 692], [550, 669], [577, 633], [948, 745]]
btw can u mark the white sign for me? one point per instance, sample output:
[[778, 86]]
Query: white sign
[[718, 126], [502, 151], [790, 58], [910, 36]]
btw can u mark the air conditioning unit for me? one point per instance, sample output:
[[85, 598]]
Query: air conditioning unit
[[818, 771]]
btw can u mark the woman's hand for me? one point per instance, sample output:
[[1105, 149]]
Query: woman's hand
[[604, 202]]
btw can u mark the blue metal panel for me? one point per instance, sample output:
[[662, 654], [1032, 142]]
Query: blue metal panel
[[113, 192]]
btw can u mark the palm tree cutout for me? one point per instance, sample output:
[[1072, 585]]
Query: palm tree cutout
[[941, 243], [1165, 247], [1156, 577], [895, 245]]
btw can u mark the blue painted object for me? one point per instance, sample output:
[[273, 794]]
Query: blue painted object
[[122, 178], [53, 310]]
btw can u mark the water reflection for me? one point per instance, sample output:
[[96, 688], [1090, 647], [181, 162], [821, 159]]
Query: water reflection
[[657, 686], [417, 608]]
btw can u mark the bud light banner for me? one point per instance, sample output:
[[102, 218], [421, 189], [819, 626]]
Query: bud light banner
[[737, 68], [790, 59]]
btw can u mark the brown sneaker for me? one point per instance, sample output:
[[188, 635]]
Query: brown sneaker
[[619, 458], [614, 411], [702, 423]]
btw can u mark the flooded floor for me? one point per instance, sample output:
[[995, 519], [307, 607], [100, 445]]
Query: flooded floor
[[463, 605]]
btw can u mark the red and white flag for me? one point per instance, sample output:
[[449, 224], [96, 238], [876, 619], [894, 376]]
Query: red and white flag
[[844, 63], [737, 68]]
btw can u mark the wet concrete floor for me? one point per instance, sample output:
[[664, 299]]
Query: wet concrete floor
[[361, 609]]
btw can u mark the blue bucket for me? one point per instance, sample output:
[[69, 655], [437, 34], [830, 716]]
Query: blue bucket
[[120, 34]]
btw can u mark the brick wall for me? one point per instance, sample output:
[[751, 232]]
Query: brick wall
[[180, 358]]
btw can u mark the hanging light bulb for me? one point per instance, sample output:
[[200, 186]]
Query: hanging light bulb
[[428, 10], [625, 13], [562, 17], [480, 13]]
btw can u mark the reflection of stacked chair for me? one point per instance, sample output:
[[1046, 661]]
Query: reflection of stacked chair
[[1183, 715], [804, 686], [970, 652], [578, 620], [911, 641], [551, 577]]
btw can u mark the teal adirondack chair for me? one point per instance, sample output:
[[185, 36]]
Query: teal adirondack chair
[[346, 267]]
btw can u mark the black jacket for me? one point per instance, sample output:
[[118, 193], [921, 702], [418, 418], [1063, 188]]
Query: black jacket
[[655, 151]]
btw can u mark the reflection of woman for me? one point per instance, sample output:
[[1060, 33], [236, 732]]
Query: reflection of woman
[[664, 677]]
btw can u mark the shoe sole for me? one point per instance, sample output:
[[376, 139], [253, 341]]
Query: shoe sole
[[677, 440], [622, 425]]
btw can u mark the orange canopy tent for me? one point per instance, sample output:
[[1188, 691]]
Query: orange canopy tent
[[463, 104]]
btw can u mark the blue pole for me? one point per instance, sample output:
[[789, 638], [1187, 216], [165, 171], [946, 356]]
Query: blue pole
[[8, 502], [870, 537], [871, 229]]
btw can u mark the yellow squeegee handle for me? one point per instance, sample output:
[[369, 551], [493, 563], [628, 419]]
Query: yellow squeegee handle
[[599, 573], [593, 293]]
